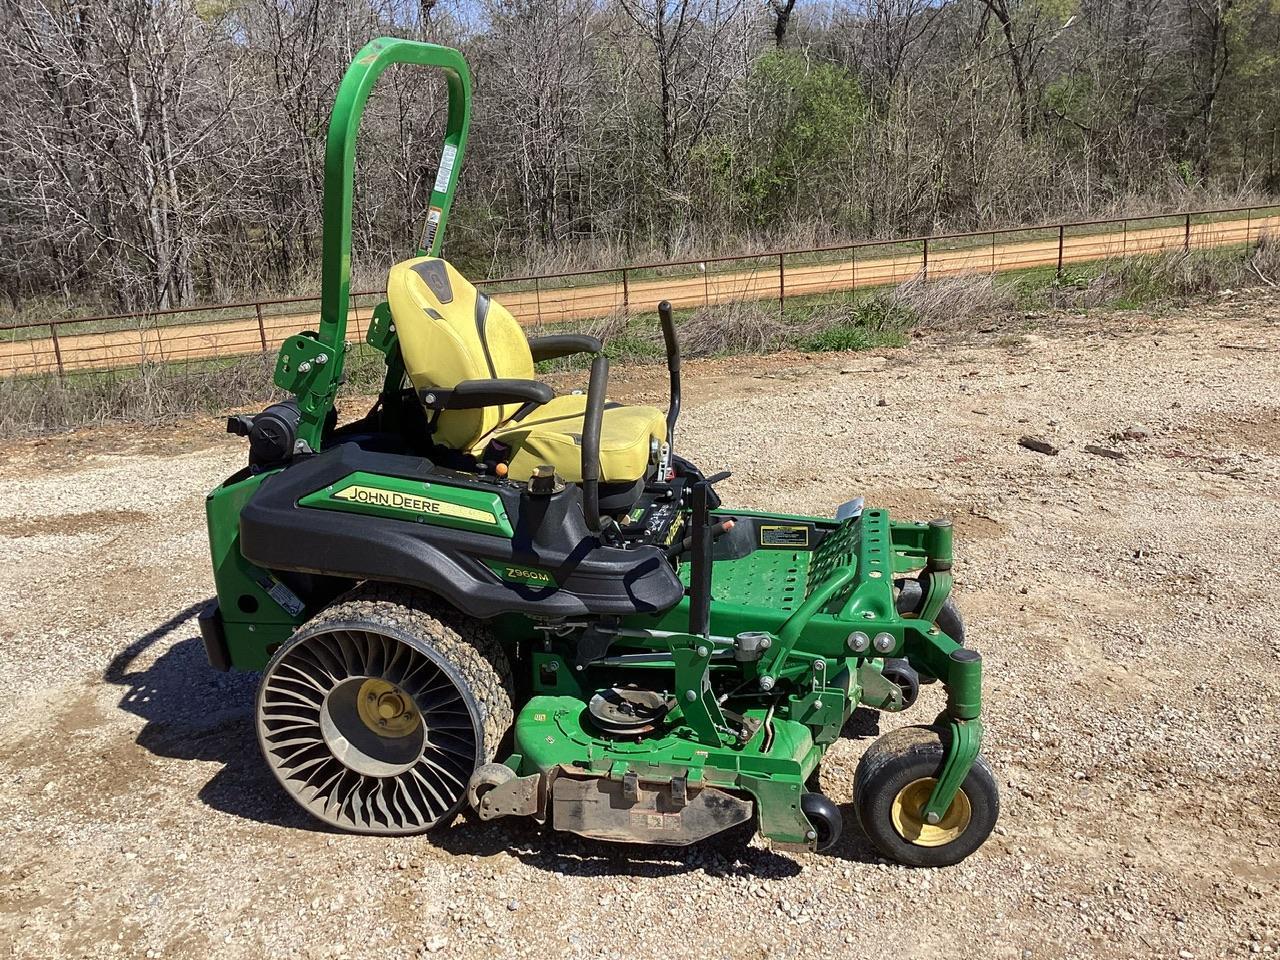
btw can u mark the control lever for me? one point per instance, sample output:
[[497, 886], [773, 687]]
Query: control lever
[[673, 371], [685, 545], [700, 563]]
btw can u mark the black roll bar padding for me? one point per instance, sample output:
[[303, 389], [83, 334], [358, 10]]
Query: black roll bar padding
[[700, 571], [591, 421], [673, 368]]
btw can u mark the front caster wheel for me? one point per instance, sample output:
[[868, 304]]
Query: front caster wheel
[[485, 778], [892, 784], [825, 818]]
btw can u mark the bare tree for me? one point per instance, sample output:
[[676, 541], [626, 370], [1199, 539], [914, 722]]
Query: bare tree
[[698, 51], [539, 74], [126, 152], [156, 152], [781, 10], [1208, 28]]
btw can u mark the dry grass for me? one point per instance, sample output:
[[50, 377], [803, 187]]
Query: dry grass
[[1265, 260], [1155, 278], [738, 327], [606, 328], [144, 394], [948, 301]]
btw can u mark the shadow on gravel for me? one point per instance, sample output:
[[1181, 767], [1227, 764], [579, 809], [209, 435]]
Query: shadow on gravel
[[574, 856], [195, 713], [728, 854]]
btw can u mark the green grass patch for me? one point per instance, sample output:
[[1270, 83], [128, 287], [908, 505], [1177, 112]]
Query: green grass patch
[[851, 336], [871, 323]]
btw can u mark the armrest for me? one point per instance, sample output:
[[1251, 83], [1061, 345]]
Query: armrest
[[470, 394], [556, 345]]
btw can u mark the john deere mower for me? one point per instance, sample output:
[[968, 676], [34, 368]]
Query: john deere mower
[[486, 594]]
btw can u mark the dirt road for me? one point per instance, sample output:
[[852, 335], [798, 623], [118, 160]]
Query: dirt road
[[548, 305], [1125, 609]]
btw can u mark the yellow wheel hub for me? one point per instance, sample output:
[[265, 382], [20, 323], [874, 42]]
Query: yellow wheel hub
[[386, 709], [908, 816]]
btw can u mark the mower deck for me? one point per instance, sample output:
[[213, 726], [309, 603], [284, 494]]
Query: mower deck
[[767, 751]]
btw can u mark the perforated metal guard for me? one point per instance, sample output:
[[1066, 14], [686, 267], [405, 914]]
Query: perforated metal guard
[[835, 550], [766, 578]]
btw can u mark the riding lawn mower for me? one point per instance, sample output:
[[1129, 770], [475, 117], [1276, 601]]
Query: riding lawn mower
[[486, 594]]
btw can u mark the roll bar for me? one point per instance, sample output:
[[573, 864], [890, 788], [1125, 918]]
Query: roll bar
[[310, 365]]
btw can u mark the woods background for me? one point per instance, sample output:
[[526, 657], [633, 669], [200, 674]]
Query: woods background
[[160, 152]]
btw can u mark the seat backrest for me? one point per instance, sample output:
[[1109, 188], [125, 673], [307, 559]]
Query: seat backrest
[[450, 332]]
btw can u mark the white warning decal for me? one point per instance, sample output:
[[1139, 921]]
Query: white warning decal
[[447, 156]]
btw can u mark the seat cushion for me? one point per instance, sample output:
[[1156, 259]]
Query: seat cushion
[[553, 434]]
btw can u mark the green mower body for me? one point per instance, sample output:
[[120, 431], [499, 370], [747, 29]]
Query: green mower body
[[640, 664]]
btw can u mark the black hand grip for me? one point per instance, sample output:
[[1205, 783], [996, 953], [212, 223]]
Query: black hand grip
[[673, 367], [591, 422]]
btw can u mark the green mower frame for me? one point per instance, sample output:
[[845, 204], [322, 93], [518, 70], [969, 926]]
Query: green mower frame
[[657, 672]]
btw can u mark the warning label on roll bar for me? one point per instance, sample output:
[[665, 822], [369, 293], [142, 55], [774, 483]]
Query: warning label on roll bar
[[447, 156]]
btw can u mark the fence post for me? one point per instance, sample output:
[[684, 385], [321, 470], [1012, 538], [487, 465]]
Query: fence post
[[782, 284], [1062, 229], [1248, 231], [1186, 235], [57, 348], [853, 273], [262, 330], [993, 253], [626, 294], [924, 261], [1271, 158], [537, 299]]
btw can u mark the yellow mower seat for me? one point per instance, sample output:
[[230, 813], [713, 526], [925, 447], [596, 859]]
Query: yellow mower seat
[[553, 434], [450, 332]]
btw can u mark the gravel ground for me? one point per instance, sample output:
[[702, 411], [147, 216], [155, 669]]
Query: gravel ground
[[1125, 608]]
